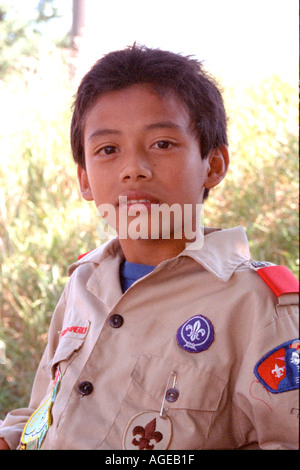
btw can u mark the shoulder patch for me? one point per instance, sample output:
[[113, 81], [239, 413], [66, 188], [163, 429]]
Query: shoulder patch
[[279, 278], [278, 370]]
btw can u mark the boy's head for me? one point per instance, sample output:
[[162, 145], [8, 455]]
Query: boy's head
[[165, 71]]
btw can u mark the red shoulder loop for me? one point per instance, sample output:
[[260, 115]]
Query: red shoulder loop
[[81, 256], [279, 279]]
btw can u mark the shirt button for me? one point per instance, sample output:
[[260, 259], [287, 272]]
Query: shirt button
[[116, 321], [172, 395], [85, 388]]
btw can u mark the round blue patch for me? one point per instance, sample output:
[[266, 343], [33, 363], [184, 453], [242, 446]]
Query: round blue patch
[[196, 334]]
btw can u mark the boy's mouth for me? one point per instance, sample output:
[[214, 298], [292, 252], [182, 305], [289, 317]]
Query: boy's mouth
[[140, 201]]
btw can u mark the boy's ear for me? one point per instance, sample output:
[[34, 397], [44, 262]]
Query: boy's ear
[[84, 184], [218, 165]]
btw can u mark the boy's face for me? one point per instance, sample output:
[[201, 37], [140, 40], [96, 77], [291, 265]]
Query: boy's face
[[140, 145]]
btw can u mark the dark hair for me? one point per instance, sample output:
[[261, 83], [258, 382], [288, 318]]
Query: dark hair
[[165, 71]]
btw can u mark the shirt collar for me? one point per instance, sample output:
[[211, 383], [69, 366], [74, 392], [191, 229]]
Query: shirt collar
[[222, 252]]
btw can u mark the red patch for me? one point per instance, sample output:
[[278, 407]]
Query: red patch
[[278, 370], [81, 256], [279, 279], [272, 369]]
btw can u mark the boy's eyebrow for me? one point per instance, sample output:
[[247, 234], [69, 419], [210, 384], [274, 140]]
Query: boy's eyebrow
[[163, 124], [155, 125], [100, 132]]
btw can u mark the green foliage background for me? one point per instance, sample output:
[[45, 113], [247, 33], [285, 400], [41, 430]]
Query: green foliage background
[[44, 223]]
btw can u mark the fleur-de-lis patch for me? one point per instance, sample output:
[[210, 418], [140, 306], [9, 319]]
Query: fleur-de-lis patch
[[147, 434], [278, 370], [195, 331], [148, 431], [196, 334]]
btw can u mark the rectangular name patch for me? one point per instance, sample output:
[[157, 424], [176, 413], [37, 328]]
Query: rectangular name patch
[[77, 329]]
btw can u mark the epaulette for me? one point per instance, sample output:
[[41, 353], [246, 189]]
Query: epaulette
[[279, 278], [84, 254]]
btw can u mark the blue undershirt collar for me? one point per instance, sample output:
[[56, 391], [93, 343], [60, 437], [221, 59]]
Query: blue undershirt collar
[[131, 272]]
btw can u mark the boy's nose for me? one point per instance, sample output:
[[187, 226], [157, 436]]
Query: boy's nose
[[136, 168]]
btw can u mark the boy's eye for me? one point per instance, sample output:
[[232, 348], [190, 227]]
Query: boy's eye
[[108, 150], [163, 144]]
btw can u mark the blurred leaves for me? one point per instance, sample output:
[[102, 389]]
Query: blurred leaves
[[260, 190], [44, 223], [21, 38], [17, 41]]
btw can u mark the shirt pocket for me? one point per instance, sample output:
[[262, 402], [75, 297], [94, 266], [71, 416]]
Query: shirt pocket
[[191, 413]]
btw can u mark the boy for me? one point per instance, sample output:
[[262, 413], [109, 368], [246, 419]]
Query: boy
[[161, 342]]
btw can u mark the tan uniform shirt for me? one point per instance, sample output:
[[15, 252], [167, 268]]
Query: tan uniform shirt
[[114, 356]]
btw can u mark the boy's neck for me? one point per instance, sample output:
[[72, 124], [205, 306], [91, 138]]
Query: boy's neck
[[151, 252]]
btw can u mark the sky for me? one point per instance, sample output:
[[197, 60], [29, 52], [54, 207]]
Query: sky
[[236, 39]]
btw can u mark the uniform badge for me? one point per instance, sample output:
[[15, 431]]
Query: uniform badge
[[148, 431], [278, 370], [152, 430], [39, 422], [196, 334]]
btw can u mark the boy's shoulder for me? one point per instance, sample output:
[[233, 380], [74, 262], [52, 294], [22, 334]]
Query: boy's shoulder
[[278, 279], [96, 255]]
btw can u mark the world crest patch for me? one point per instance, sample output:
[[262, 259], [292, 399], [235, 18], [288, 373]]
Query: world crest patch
[[196, 334]]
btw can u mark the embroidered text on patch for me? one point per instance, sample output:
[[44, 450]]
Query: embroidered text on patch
[[278, 370], [75, 329]]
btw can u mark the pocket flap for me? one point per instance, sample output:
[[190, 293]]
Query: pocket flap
[[71, 339], [198, 389]]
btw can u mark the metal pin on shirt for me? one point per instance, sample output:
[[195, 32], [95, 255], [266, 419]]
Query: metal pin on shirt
[[163, 411]]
